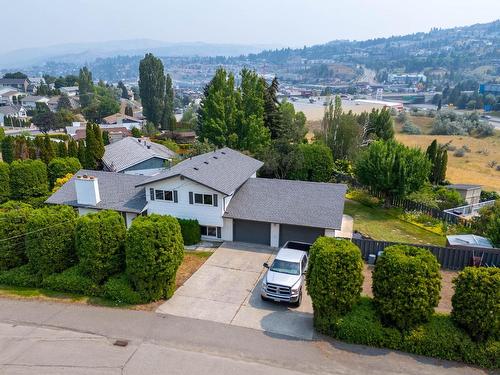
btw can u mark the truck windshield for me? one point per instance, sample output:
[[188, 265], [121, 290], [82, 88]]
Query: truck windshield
[[282, 266]]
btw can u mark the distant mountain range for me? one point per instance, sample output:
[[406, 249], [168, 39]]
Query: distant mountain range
[[81, 53]]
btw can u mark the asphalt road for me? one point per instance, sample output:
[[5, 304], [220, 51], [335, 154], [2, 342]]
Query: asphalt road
[[51, 338]]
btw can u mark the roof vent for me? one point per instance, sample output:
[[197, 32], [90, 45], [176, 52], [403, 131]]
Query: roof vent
[[196, 168], [148, 146], [223, 152], [139, 140], [205, 162], [215, 157]]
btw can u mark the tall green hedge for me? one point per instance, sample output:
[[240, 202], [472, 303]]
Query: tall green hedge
[[50, 239], [476, 302], [13, 218], [334, 278], [100, 244], [60, 167], [154, 252], [4, 181], [190, 229], [406, 285], [28, 178]]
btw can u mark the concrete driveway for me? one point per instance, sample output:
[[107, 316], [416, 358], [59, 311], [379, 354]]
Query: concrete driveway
[[226, 289]]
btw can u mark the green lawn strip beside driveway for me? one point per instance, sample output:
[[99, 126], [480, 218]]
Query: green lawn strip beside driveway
[[383, 225]]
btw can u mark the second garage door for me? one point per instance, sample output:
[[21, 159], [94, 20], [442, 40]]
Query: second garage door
[[299, 233], [252, 232]]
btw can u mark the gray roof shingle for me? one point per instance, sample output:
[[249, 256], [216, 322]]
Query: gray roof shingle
[[128, 152], [311, 204], [223, 170], [118, 192]]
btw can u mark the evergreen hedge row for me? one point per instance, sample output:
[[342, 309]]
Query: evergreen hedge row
[[4, 181], [406, 285], [190, 229], [334, 278], [154, 252], [28, 178], [13, 219]]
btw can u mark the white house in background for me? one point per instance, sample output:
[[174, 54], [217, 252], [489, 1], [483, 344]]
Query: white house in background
[[16, 111], [30, 101], [137, 156], [221, 191], [69, 90], [470, 193], [7, 95]]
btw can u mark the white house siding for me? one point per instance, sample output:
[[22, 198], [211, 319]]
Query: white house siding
[[129, 216], [275, 235], [206, 215], [227, 229]]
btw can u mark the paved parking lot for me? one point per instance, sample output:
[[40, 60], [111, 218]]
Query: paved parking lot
[[226, 289]]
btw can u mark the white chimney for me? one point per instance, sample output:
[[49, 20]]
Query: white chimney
[[87, 190]]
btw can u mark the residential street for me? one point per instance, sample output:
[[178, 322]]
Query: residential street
[[50, 338]]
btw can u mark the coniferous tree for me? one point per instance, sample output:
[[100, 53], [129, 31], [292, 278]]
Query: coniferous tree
[[99, 143], [105, 138], [152, 88], [82, 153], [85, 87], [63, 103], [8, 149], [72, 148], [272, 117], [168, 118], [47, 152], [91, 148], [62, 151]]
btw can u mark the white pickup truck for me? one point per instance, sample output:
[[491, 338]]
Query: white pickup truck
[[284, 279]]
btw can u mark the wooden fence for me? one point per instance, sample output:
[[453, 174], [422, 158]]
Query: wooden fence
[[449, 258]]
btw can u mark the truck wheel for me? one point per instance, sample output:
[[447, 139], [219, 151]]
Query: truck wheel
[[299, 301]]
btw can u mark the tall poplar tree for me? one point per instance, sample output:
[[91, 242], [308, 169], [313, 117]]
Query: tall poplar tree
[[85, 87], [168, 119], [152, 88]]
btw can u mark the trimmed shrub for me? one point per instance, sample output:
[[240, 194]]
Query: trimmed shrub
[[60, 167], [13, 218], [476, 302], [190, 231], [22, 276], [4, 181], [50, 239], [363, 197], [438, 338], [71, 280], [334, 279], [317, 164], [100, 244], [406, 285], [119, 289], [154, 252], [28, 178]]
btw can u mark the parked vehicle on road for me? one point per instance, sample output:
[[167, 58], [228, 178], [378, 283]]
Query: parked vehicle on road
[[284, 279]]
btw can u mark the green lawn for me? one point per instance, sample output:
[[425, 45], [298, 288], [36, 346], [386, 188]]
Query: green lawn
[[383, 224]]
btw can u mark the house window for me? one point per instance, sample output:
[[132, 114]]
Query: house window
[[164, 195], [207, 199], [210, 231]]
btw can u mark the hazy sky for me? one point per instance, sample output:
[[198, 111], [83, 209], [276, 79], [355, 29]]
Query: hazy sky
[[282, 22]]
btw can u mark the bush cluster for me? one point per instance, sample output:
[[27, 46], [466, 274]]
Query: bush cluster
[[119, 290], [60, 167], [100, 244], [50, 239], [13, 218], [190, 231], [28, 178], [22, 276], [406, 285], [438, 338], [71, 280], [334, 278], [476, 302], [4, 181], [154, 252]]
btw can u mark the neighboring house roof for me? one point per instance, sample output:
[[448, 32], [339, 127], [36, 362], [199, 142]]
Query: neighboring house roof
[[113, 119], [81, 132], [312, 204], [117, 191], [223, 170], [463, 187], [9, 110], [469, 240], [13, 81], [10, 93], [130, 151], [34, 98]]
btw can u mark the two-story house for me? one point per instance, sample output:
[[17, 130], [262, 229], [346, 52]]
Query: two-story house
[[220, 190]]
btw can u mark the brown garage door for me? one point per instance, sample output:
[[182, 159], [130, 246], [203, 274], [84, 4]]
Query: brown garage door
[[299, 233], [252, 232]]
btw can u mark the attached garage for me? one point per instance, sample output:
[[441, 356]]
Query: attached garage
[[252, 232], [299, 233]]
